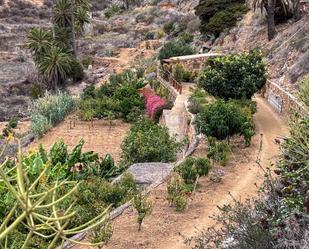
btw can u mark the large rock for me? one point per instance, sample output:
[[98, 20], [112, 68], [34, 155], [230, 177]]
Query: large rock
[[146, 174]]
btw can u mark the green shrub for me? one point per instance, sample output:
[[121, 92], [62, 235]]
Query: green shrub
[[176, 193], [234, 76], [49, 111], [169, 27], [175, 48], [148, 142], [113, 10], [186, 37], [224, 119], [192, 167], [197, 101], [150, 36], [180, 74], [224, 20], [219, 151], [217, 15], [143, 207]]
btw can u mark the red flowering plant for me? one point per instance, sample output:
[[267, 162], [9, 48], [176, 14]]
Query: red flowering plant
[[153, 103]]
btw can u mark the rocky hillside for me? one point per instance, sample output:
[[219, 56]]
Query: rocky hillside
[[287, 54]]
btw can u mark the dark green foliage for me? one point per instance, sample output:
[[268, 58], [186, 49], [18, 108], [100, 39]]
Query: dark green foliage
[[218, 15], [148, 142], [150, 36], [224, 119], [224, 20], [192, 167], [234, 76], [119, 96], [169, 27], [175, 48]]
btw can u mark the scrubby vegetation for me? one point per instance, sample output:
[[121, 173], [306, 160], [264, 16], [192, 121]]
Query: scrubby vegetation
[[43, 202], [216, 16], [176, 193], [192, 168], [234, 76], [149, 142], [182, 75], [174, 48], [48, 111], [119, 97]]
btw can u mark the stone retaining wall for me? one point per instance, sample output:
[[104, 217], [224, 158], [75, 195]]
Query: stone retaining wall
[[281, 100]]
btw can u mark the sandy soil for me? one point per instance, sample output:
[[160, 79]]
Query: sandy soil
[[99, 137], [165, 228]]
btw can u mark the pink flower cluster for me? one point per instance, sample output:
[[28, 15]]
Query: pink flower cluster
[[153, 103]]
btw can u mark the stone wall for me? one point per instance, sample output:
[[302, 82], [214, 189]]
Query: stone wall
[[282, 101], [195, 64]]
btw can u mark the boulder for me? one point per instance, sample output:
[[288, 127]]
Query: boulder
[[146, 174]]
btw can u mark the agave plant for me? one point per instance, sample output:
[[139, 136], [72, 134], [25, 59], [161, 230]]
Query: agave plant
[[36, 209]]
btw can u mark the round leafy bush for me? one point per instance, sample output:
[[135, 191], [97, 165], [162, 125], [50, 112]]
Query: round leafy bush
[[175, 48], [148, 142], [192, 167], [224, 119], [234, 76]]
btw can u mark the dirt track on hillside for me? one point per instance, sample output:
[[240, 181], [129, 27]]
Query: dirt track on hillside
[[165, 228]]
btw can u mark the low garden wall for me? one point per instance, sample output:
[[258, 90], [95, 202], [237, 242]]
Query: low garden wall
[[281, 100]]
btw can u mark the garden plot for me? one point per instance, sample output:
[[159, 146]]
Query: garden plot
[[98, 136], [165, 228]]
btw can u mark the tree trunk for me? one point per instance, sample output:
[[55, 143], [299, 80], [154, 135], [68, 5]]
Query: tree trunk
[[271, 19], [296, 10], [73, 6]]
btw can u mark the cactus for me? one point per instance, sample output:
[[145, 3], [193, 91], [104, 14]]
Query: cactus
[[37, 210]]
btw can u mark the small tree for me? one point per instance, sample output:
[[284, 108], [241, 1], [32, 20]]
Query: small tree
[[223, 120], [234, 76], [143, 207]]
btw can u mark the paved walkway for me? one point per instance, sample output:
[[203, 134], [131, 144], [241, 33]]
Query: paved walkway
[[176, 118]]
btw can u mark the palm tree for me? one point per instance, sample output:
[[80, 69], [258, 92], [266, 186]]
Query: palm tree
[[55, 66], [62, 13], [39, 42], [71, 14], [269, 6]]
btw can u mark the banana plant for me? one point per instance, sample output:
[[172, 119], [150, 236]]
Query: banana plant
[[37, 210]]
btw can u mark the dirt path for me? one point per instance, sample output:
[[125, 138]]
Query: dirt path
[[163, 229]]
